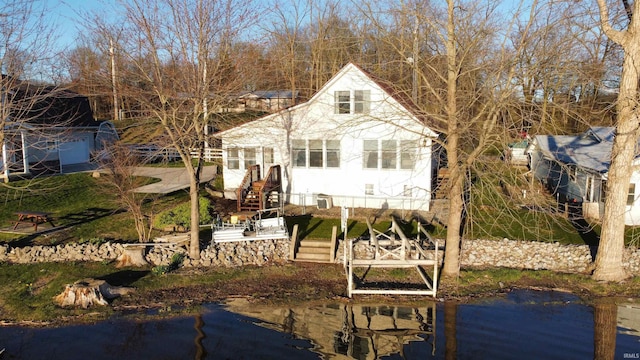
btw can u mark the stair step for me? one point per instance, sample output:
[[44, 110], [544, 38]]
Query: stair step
[[313, 250], [313, 257], [315, 243]]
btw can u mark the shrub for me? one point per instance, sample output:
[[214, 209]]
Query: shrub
[[176, 261], [181, 215]]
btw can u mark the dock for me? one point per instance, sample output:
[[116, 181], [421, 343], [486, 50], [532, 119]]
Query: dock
[[394, 250]]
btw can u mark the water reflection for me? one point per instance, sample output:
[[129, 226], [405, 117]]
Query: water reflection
[[348, 330], [524, 324]]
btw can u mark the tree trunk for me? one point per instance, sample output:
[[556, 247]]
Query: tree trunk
[[608, 264], [194, 244], [132, 256], [451, 266], [89, 292]]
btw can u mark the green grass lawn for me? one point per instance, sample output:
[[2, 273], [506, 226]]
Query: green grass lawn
[[85, 208], [77, 202]]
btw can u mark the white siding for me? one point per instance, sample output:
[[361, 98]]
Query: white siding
[[316, 120]]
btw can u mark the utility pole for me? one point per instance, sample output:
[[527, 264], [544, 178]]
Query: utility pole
[[116, 107]]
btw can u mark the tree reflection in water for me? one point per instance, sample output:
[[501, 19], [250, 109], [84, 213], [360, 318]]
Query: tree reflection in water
[[358, 331]]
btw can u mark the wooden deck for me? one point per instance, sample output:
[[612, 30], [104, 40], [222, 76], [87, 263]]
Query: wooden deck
[[389, 252]]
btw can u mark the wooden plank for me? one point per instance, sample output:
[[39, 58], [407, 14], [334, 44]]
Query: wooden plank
[[392, 262], [392, 292]]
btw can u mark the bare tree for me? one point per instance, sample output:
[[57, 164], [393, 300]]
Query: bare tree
[[26, 55], [179, 71], [608, 264], [461, 74], [119, 164]]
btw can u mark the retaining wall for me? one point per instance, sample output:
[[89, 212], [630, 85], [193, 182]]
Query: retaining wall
[[474, 254]]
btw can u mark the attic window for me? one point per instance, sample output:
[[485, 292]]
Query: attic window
[[352, 102]]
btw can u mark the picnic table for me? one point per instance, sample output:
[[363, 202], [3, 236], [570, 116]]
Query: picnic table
[[32, 218]]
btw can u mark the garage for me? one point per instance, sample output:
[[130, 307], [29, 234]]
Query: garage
[[74, 151]]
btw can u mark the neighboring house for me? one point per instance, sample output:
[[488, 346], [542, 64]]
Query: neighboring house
[[270, 100], [49, 129], [575, 169], [352, 144]]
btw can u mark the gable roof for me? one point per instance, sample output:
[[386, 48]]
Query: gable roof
[[400, 98], [43, 105], [589, 150]]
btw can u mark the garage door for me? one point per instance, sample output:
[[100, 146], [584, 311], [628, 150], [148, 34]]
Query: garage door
[[75, 151]]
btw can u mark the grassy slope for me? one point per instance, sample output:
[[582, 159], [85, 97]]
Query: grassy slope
[[77, 202]]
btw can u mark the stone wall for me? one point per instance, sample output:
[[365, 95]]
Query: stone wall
[[231, 254], [531, 255], [475, 254]]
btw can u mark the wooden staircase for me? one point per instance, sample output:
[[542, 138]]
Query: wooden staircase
[[314, 251], [256, 193]]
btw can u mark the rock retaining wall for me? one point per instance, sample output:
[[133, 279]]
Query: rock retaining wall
[[529, 255], [475, 254], [231, 254]]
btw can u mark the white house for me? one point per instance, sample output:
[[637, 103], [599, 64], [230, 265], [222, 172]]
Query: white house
[[576, 167], [352, 144], [52, 129]]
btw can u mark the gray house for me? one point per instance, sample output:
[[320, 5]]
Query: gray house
[[575, 168]]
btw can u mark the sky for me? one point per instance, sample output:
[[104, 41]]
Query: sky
[[68, 16]]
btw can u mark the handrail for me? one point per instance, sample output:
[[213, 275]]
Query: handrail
[[271, 182], [246, 182]]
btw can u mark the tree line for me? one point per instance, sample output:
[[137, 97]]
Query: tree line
[[481, 72]]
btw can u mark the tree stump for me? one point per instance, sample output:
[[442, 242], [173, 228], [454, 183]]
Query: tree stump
[[89, 292], [132, 256]]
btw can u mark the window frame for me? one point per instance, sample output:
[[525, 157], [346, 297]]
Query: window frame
[[342, 100], [332, 154], [370, 156], [318, 153], [297, 149], [235, 159], [245, 157], [408, 153]]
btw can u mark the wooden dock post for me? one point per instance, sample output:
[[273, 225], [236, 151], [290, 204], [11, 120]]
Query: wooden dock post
[[294, 243]]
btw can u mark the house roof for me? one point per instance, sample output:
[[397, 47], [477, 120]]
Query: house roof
[[38, 105], [271, 94], [404, 101], [589, 150]]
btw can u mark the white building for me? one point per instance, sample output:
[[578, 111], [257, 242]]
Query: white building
[[353, 144]]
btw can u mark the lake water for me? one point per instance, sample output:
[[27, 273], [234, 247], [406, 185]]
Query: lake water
[[523, 324]]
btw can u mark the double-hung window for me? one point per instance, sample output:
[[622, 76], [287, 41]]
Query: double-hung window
[[370, 154], [316, 153], [389, 154], [631, 196], [299, 153], [343, 102], [352, 101], [233, 158], [267, 157], [250, 157], [333, 153], [407, 154]]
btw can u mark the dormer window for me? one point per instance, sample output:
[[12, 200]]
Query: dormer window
[[352, 101]]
